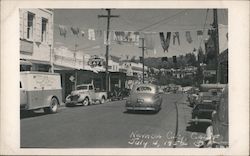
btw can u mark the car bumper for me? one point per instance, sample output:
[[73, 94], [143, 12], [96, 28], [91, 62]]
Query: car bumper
[[72, 102], [142, 108]]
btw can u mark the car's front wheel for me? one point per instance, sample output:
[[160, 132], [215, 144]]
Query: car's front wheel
[[85, 102]]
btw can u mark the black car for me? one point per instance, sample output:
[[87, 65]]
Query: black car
[[203, 111]]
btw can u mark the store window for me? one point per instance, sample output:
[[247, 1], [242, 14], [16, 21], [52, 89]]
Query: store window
[[44, 29], [30, 27]]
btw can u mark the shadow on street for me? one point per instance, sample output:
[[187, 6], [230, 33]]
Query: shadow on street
[[140, 112], [30, 114], [200, 127]]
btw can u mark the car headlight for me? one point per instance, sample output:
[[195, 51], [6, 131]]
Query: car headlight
[[68, 98]]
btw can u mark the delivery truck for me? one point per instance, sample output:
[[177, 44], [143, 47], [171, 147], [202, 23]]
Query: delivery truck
[[40, 90]]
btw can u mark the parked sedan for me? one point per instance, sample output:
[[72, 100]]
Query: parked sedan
[[144, 97], [203, 111]]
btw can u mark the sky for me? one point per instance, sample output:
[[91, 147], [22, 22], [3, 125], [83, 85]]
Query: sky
[[142, 20]]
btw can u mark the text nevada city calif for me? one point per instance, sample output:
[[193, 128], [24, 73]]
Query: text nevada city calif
[[160, 141]]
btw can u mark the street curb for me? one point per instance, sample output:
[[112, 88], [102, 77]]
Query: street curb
[[184, 112], [181, 112]]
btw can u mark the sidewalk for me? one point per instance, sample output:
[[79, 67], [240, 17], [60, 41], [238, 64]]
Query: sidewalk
[[192, 136]]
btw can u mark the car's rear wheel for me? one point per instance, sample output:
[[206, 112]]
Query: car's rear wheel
[[85, 102], [53, 107]]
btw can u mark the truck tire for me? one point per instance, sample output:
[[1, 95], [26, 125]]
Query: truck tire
[[85, 102], [102, 100], [53, 107]]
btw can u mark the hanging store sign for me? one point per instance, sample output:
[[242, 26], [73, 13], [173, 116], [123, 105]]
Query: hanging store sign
[[96, 61]]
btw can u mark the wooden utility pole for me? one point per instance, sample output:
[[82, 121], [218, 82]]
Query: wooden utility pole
[[143, 47], [216, 44], [107, 44]]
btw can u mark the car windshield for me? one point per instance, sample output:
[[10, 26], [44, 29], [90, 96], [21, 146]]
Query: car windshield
[[81, 87], [144, 89]]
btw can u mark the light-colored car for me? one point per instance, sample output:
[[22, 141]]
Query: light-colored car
[[144, 97], [85, 94]]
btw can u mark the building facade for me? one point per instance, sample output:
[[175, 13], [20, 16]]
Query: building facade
[[36, 39]]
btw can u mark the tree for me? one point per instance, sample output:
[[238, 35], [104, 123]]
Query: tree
[[201, 55], [191, 59]]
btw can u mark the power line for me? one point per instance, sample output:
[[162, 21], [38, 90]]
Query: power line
[[167, 18]]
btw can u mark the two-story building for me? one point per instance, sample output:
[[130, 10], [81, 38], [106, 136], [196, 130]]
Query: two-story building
[[36, 39]]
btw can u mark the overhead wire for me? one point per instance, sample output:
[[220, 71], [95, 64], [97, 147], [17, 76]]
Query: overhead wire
[[164, 19]]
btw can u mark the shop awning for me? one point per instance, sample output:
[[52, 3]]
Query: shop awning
[[25, 62]]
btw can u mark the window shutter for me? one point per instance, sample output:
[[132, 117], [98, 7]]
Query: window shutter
[[38, 30], [50, 31], [25, 24], [21, 23]]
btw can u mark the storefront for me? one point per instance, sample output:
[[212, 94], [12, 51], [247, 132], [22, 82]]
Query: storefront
[[71, 78]]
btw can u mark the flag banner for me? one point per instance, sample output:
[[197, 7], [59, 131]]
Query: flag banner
[[75, 30], [82, 33], [91, 34], [63, 30], [199, 33], [126, 37], [98, 33], [188, 37], [149, 41], [168, 39], [165, 42], [176, 36]]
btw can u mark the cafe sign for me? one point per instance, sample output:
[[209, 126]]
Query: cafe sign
[[95, 61]]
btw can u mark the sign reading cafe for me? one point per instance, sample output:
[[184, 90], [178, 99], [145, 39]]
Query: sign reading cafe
[[95, 61]]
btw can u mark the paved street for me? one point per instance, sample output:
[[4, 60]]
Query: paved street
[[107, 125]]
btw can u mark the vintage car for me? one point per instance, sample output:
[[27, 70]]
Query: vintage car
[[208, 95], [217, 133], [144, 97], [201, 112], [85, 94]]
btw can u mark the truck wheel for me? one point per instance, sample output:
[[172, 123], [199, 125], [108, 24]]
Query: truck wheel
[[53, 107], [85, 102], [102, 100]]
